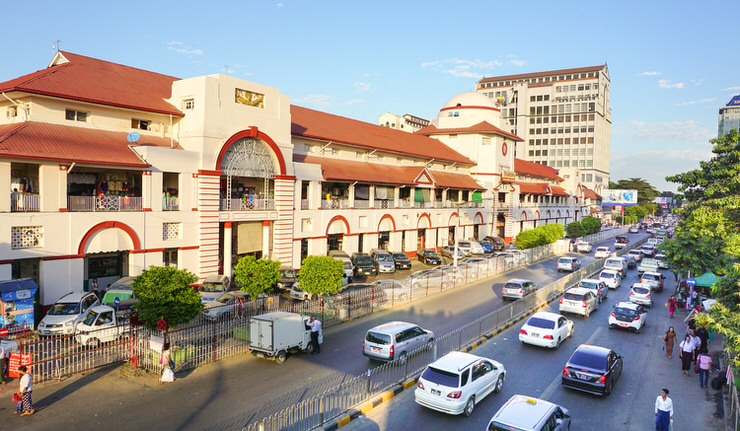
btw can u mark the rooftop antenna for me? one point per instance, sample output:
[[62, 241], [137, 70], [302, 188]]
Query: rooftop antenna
[[56, 44]]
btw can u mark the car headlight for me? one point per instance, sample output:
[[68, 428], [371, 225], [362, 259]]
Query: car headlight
[[69, 324]]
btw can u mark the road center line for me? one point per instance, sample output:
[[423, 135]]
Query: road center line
[[556, 381]]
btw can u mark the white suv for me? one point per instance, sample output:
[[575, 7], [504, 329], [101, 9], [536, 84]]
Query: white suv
[[579, 300], [457, 381], [628, 315], [63, 317]]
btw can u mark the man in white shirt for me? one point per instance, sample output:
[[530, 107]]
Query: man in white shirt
[[663, 411], [315, 325]]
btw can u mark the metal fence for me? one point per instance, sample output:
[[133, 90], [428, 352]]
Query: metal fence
[[732, 418], [330, 404]]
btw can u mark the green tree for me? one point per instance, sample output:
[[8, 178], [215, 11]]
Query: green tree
[[539, 236], [575, 229], [256, 276], [165, 293], [591, 225], [321, 275]]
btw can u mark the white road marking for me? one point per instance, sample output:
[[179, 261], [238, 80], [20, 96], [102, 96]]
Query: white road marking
[[556, 381]]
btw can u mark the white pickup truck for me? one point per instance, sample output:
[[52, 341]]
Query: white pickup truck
[[101, 325], [274, 335]]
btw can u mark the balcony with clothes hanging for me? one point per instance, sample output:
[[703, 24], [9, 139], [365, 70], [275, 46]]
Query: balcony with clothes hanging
[[247, 194], [89, 189], [248, 179], [24, 187]]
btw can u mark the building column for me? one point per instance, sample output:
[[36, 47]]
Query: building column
[[266, 239], [61, 188], [227, 267], [396, 197], [351, 196], [208, 211], [146, 191], [372, 196], [282, 243]]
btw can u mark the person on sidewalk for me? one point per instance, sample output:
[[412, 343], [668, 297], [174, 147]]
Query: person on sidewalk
[[687, 354], [696, 341], [672, 306], [315, 325], [3, 363], [705, 365], [24, 391], [168, 372], [669, 339], [703, 335], [663, 411]]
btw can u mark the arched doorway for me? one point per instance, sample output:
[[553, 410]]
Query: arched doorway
[[385, 227], [335, 231], [501, 225], [422, 226], [248, 174]]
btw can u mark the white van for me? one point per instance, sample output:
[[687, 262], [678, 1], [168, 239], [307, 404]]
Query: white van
[[617, 264]]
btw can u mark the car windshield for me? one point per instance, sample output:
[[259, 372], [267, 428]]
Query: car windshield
[[210, 286], [588, 285], [378, 338], [611, 262], [607, 275], [385, 258], [541, 323], [224, 299], [587, 359], [441, 377], [513, 286], [625, 311], [64, 309], [574, 296], [400, 256], [287, 273], [565, 260], [364, 260], [429, 253], [90, 319], [653, 277], [641, 290]]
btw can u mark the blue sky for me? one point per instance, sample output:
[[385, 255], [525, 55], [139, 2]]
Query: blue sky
[[672, 64]]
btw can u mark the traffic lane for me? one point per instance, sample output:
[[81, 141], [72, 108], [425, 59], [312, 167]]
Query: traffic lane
[[536, 371]]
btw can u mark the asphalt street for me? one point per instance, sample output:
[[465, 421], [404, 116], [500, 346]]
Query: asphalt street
[[233, 392], [536, 372]]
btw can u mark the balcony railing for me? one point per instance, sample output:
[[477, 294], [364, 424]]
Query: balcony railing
[[247, 204], [170, 204], [24, 202], [103, 203], [406, 204], [383, 203], [359, 203], [304, 204], [335, 204]]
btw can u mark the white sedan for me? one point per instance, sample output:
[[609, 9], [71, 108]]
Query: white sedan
[[610, 278], [602, 252], [546, 329]]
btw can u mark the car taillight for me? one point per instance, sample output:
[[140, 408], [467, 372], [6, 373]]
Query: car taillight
[[583, 304], [454, 395], [363, 345], [614, 315], [548, 337], [521, 291], [419, 385], [631, 293], [523, 332], [561, 299], [649, 295], [390, 353], [602, 380], [636, 318], [566, 371]]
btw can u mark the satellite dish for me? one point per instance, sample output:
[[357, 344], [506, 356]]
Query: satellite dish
[[133, 137]]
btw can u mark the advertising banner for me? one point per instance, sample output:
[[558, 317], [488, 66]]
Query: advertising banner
[[613, 197], [16, 360]]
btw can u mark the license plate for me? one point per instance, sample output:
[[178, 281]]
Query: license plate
[[583, 376], [534, 334], [623, 325], [436, 392], [375, 350]]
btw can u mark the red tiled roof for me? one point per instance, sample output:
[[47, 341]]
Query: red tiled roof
[[320, 125], [525, 167], [558, 191], [532, 188], [44, 141], [377, 173], [590, 194], [548, 73], [482, 127], [91, 80]]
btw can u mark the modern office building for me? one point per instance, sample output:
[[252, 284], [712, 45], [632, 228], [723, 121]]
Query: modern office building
[[563, 117], [109, 169], [729, 117], [406, 122]]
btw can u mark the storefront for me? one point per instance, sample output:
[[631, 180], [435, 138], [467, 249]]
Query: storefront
[[105, 267]]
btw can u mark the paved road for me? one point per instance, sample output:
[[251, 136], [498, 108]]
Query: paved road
[[536, 372], [230, 393]]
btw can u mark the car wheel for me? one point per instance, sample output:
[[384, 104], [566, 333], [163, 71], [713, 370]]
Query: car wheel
[[402, 358], [637, 330], [445, 285], [499, 384], [608, 389], [470, 406], [430, 344], [403, 297], [611, 326], [280, 357], [309, 348], [588, 313], [557, 344], [93, 343]]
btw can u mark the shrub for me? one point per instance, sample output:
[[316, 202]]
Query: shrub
[[256, 276], [321, 275], [539, 236]]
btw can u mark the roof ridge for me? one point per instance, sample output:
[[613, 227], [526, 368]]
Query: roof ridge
[[98, 60]]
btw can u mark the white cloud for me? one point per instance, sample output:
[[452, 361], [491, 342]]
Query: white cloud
[[653, 73], [463, 68], [362, 86], [731, 89], [181, 48], [429, 63], [518, 63], [694, 102], [697, 81], [668, 131], [279, 5], [354, 101], [664, 83], [321, 101], [463, 71]]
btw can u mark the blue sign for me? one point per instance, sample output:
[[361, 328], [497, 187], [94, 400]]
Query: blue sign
[[691, 282], [117, 301]]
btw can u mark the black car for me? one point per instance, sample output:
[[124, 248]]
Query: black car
[[592, 369], [498, 243], [401, 260], [365, 266], [631, 263], [429, 257]]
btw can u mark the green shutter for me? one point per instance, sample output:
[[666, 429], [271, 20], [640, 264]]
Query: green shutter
[[477, 197], [418, 195]]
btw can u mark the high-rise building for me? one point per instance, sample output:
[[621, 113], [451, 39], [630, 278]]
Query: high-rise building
[[729, 117], [563, 117]]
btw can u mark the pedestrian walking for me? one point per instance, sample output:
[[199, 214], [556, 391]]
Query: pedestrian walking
[[663, 411], [669, 339], [24, 391], [168, 373], [703, 335], [94, 287], [315, 325], [687, 354], [3, 363], [705, 365], [672, 305], [696, 341]]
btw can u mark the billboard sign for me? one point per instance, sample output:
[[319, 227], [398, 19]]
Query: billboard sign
[[613, 197]]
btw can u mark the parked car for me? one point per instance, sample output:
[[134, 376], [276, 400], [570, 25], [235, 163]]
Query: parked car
[[122, 283], [100, 325], [578, 300], [396, 291], [514, 256], [546, 329], [641, 294], [602, 252], [384, 260], [517, 289], [592, 369], [429, 257], [365, 266], [429, 279], [401, 260], [296, 292], [226, 305], [498, 243], [288, 277], [341, 255], [395, 340], [568, 263], [653, 279], [449, 251], [527, 413], [63, 317], [620, 242], [596, 286], [213, 287], [471, 247], [636, 254], [610, 278], [487, 246], [583, 247], [457, 381], [121, 299], [628, 315]]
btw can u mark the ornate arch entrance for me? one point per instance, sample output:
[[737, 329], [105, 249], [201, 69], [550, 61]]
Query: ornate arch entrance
[[248, 175]]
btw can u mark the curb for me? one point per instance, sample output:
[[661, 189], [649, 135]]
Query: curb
[[385, 396]]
